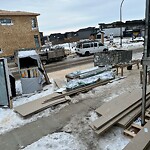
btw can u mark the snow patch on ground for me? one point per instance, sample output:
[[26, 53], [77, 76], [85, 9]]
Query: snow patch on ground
[[113, 139], [57, 141]]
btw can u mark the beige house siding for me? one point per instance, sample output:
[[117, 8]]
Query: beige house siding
[[17, 35]]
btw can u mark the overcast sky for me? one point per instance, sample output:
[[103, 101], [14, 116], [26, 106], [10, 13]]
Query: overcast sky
[[70, 15]]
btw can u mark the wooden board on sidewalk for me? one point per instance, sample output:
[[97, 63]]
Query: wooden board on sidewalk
[[37, 105]]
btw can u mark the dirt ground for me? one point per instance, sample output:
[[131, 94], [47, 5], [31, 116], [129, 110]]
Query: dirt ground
[[79, 124]]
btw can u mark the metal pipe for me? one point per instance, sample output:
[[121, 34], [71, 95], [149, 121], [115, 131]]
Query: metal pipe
[[121, 22], [145, 55]]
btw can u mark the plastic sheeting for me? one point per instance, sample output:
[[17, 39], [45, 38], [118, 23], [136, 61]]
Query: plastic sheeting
[[75, 83]]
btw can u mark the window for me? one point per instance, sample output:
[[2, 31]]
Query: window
[[92, 45], [95, 44], [5, 21], [86, 46], [100, 44], [36, 39], [34, 24], [1, 50]]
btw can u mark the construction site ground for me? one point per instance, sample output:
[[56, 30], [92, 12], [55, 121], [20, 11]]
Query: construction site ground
[[76, 116]]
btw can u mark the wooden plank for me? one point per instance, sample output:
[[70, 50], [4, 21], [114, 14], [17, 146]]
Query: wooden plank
[[115, 120], [37, 105], [82, 89], [136, 126], [131, 99], [128, 119], [129, 133], [109, 106], [142, 140]]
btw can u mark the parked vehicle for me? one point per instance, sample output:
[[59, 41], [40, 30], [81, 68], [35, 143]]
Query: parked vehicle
[[49, 54], [90, 47]]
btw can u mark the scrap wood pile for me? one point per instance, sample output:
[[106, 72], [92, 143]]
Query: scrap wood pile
[[123, 110]]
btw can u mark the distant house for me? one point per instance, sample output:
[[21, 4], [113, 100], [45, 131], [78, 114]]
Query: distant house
[[129, 28], [18, 30], [56, 37], [86, 33]]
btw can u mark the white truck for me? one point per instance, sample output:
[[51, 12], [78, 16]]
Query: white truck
[[90, 47]]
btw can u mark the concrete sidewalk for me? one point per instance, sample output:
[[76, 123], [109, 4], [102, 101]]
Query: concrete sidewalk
[[29, 133]]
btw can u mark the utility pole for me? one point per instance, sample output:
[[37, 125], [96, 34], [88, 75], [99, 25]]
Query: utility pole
[[121, 23], [146, 59]]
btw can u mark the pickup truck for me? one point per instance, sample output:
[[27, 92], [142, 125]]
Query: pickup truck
[[52, 54]]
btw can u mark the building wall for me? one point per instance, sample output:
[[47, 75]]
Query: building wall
[[84, 34], [18, 35], [114, 31]]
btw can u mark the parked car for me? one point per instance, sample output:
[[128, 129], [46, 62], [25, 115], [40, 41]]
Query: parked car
[[90, 47]]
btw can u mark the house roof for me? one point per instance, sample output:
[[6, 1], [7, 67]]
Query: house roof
[[17, 13]]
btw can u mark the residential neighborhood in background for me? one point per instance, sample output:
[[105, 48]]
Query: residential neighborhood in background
[[19, 30]]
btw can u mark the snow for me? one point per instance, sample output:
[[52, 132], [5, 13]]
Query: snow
[[22, 54], [126, 44], [57, 141]]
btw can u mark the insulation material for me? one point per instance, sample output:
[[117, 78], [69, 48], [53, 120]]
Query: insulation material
[[81, 74], [76, 83]]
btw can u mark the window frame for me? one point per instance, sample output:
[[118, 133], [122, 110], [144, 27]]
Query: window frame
[[34, 23], [3, 21]]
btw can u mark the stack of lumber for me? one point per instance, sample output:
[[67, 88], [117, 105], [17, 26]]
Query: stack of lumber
[[121, 109]]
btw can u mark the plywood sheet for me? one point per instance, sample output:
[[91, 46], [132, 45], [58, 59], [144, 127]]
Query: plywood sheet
[[142, 140]]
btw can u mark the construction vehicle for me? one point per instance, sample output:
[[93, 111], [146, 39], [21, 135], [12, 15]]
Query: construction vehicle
[[49, 54]]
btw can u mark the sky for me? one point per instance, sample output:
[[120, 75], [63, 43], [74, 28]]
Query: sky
[[60, 16]]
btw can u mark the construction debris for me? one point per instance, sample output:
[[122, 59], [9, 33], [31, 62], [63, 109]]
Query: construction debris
[[31, 71]]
